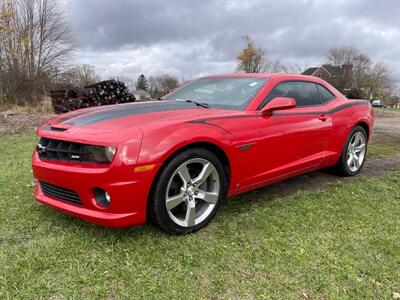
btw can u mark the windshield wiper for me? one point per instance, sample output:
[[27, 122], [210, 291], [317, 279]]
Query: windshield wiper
[[202, 104]]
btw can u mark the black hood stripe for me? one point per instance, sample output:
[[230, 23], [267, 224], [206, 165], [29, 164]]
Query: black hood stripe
[[327, 112], [70, 116], [124, 110], [277, 113], [84, 111]]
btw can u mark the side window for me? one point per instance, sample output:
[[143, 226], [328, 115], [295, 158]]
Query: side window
[[305, 93], [324, 94], [280, 90]]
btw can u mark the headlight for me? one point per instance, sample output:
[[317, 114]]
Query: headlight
[[103, 154], [110, 152]]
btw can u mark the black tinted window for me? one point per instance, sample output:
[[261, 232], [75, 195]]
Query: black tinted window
[[324, 94], [305, 93]]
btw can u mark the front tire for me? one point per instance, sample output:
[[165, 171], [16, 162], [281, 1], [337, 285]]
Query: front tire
[[188, 192], [354, 152]]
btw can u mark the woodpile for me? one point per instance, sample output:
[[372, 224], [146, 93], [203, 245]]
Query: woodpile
[[100, 93]]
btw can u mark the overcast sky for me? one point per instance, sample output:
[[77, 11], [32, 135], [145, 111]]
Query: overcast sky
[[193, 38]]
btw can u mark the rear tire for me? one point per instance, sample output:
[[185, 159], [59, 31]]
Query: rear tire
[[354, 153], [188, 192]]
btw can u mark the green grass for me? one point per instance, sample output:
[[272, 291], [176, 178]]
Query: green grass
[[341, 241], [387, 149], [395, 111]]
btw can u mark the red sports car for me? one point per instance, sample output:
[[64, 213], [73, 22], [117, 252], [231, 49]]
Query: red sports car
[[174, 161]]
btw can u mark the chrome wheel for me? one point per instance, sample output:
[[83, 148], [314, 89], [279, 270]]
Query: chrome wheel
[[192, 192], [356, 151]]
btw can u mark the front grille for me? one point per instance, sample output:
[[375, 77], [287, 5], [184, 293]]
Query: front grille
[[60, 193], [50, 149]]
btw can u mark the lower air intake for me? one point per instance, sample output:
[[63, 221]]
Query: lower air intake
[[60, 193]]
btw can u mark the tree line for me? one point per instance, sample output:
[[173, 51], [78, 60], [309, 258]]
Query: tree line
[[84, 75], [157, 86], [36, 47], [35, 42], [369, 80]]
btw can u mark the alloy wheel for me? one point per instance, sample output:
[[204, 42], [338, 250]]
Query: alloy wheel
[[192, 192], [356, 151]]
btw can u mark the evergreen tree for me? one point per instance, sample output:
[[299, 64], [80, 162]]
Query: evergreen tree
[[141, 83]]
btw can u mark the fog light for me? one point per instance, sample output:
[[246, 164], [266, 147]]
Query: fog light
[[102, 197]]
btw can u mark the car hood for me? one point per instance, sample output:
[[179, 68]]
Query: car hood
[[115, 123]]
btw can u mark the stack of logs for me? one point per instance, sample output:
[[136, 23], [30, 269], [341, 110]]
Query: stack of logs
[[101, 93]]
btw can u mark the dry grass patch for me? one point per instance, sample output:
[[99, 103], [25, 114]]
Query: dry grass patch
[[44, 107]]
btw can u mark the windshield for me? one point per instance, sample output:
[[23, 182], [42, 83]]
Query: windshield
[[227, 93]]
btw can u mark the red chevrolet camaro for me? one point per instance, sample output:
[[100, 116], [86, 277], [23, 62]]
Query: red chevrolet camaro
[[174, 161]]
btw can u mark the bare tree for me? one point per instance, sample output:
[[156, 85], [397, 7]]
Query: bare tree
[[80, 76], [87, 75], [34, 42], [161, 85], [361, 66], [355, 66], [251, 59], [296, 68], [274, 65], [67, 77], [368, 80], [129, 82], [343, 55], [378, 82], [393, 96]]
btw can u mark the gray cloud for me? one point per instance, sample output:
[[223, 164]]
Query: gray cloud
[[192, 38]]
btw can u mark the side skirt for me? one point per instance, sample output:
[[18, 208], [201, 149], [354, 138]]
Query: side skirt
[[326, 160]]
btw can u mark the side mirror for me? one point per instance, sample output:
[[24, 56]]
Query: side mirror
[[278, 103]]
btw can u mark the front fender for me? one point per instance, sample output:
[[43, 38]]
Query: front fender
[[158, 145]]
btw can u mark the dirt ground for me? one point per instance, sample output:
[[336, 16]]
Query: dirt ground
[[19, 122], [386, 130], [375, 166], [387, 126]]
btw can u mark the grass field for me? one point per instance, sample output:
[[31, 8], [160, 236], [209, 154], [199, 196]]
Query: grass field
[[339, 241]]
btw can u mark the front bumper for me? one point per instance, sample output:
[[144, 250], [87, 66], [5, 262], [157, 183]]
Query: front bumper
[[128, 191]]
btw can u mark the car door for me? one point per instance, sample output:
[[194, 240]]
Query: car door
[[293, 140]]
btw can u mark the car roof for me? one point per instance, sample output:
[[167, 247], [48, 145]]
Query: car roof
[[279, 77], [265, 75], [244, 75]]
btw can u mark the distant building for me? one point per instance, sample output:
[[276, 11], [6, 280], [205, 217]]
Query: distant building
[[141, 95], [340, 77]]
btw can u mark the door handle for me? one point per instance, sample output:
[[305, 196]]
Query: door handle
[[323, 117]]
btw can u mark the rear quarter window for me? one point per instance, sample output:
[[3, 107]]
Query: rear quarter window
[[324, 94], [305, 93]]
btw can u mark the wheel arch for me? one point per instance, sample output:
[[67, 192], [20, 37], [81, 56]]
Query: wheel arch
[[364, 125], [212, 147]]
